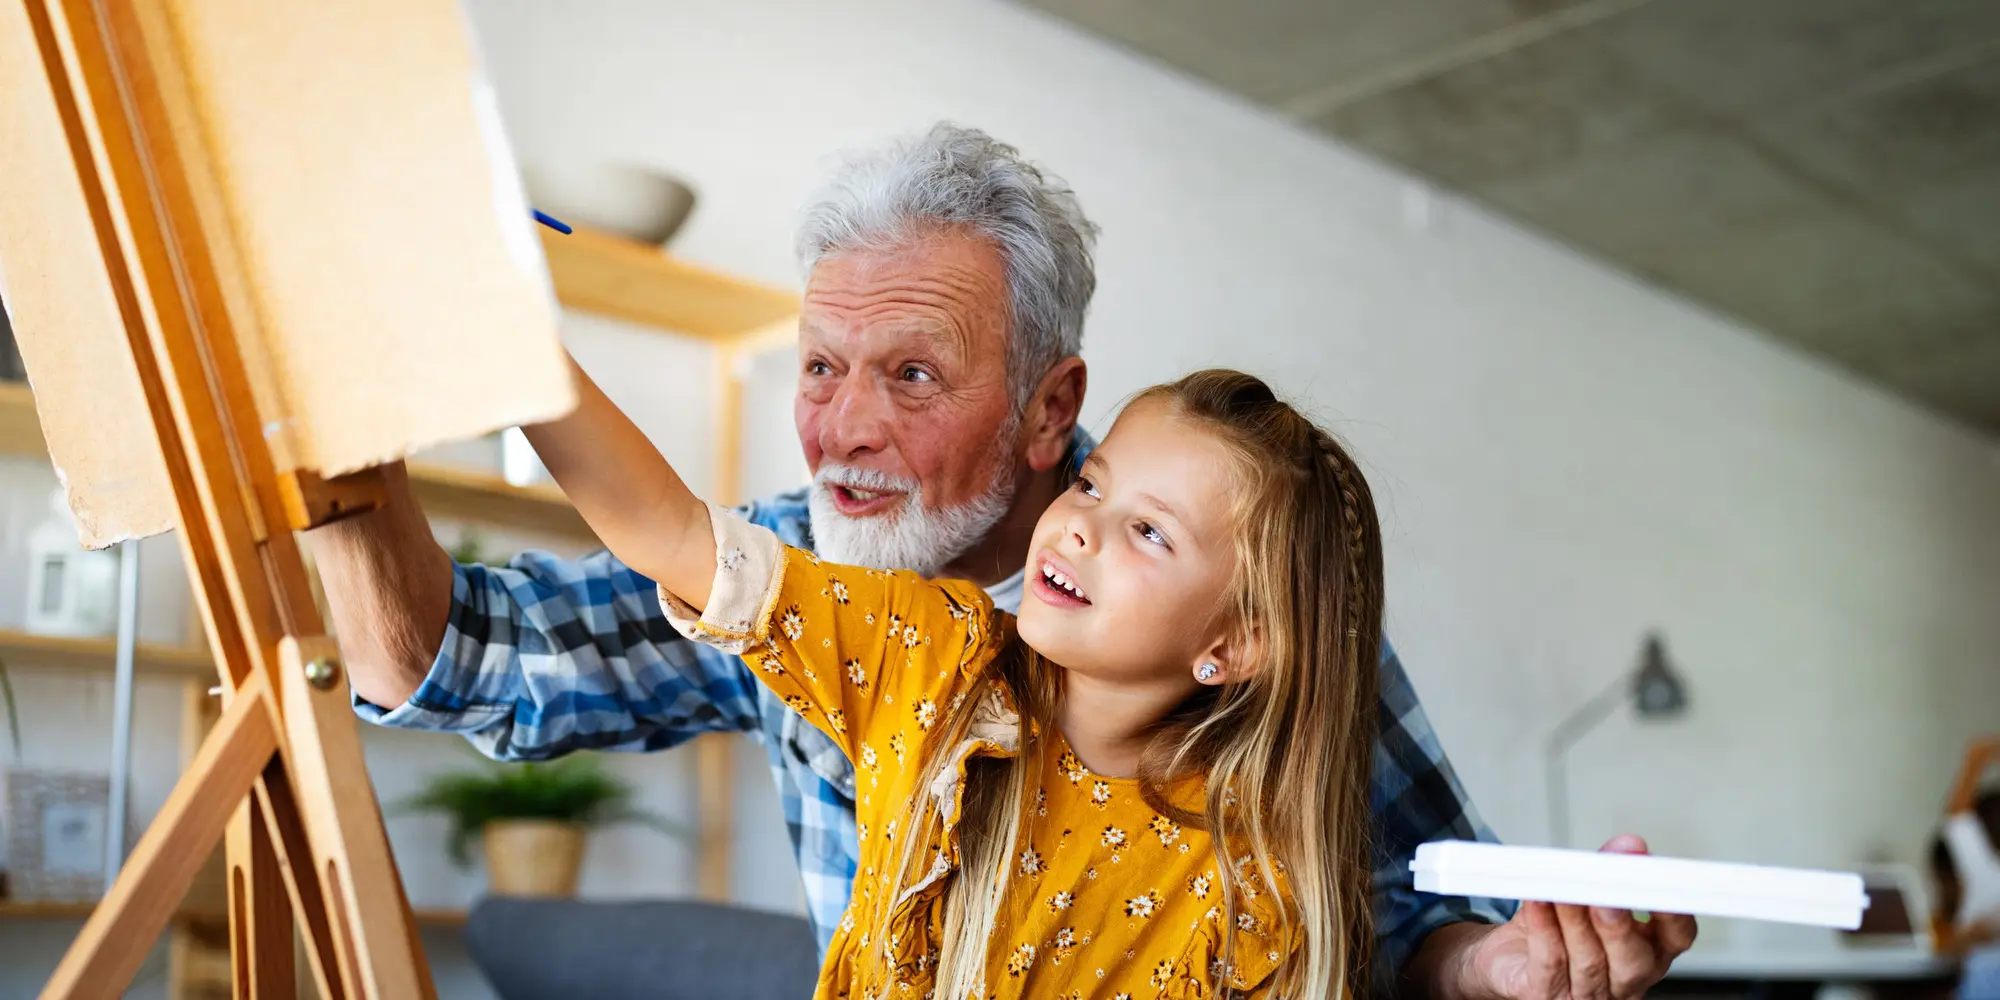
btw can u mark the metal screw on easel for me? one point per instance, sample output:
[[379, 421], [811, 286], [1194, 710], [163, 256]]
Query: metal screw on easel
[[322, 672]]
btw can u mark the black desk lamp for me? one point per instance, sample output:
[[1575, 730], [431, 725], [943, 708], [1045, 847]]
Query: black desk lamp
[[1653, 688]]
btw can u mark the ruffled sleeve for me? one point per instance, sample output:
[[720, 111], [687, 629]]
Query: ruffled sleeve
[[862, 654]]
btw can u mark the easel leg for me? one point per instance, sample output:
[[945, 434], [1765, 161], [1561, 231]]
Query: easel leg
[[260, 917], [320, 834], [281, 819], [103, 959], [337, 802]]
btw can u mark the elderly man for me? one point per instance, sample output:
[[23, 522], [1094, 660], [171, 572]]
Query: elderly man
[[939, 386]]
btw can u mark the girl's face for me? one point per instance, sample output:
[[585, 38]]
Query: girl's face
[[1128, 570]]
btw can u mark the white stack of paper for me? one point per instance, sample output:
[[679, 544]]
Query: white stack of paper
[[1641, 882]]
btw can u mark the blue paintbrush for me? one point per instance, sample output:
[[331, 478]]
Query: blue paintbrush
[[552, 222]]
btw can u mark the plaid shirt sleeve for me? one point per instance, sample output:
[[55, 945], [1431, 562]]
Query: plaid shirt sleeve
[[547, 655], [1416, 798]]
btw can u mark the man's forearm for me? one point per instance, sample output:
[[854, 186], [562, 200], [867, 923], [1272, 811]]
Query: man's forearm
[[1437, 970], [388, 584]]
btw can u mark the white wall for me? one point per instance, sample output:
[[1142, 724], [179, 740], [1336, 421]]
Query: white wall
[[1563, 457]]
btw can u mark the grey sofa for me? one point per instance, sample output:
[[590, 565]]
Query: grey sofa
[[563, 949]]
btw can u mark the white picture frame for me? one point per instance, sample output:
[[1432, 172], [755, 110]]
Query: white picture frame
[[56, 825]]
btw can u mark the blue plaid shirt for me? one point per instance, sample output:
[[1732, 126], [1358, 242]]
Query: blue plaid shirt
[[547, 655]]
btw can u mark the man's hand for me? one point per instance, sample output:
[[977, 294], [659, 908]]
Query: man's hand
[[1563, 952]]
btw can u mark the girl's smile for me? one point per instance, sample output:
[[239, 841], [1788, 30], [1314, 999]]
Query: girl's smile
[[1055, 584]]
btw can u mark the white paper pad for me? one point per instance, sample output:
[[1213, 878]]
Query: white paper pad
[[1641, 882]]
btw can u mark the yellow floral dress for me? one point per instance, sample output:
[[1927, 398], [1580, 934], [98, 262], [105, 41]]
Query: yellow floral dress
[[1108, 899]]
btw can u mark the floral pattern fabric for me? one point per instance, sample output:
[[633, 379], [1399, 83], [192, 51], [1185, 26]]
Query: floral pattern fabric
[[1106, 898]]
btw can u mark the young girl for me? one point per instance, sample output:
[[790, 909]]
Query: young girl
[[1152, 784]]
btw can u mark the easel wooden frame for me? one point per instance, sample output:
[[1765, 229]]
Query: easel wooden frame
[[1946, 936], [282, 772]]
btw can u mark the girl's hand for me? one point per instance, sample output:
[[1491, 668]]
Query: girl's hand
[[628, 494]]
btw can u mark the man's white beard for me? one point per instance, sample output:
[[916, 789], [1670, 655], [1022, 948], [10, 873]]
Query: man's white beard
[[914, 537]]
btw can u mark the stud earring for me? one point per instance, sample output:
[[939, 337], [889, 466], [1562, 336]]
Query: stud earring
[[1206, 672]]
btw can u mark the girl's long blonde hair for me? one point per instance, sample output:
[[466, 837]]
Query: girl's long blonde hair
[[1285, 754]]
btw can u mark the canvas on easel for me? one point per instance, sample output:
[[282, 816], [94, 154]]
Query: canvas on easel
[[377, 261], [251, 250]]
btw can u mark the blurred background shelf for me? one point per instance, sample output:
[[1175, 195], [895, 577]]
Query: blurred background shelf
[[445, 491], [466, 495], [13, 909], [26, 651], [597, 272]]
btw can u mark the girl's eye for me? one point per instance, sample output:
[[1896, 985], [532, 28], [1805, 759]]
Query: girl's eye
[[1151, 534], [1084, 486]]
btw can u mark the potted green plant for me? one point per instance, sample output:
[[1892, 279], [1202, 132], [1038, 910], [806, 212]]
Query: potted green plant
[[471, 548], [531, 819]]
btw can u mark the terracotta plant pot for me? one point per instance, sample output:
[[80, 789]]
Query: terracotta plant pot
[[532, 857]]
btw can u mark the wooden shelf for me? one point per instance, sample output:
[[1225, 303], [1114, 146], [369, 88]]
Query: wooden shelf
[[13, 909], [25, 651], [443, 918], [444, 492], [611, 276], [490, 500], [20, 428]]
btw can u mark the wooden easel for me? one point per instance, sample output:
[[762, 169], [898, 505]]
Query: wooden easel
[[1981, 755], [1946, 936], [281, 774]]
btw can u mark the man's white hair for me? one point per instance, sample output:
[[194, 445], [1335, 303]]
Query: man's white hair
[[883, 199]]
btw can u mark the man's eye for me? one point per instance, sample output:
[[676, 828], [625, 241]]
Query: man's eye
[[818, 368], [914, 374]]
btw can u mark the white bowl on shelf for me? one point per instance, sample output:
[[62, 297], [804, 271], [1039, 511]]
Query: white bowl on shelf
[[638, 203]]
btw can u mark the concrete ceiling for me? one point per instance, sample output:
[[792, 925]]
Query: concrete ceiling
[[1827, 170]]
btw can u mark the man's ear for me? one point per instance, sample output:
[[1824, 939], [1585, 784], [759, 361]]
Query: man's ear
[[1235, 658], [1051, 416]]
